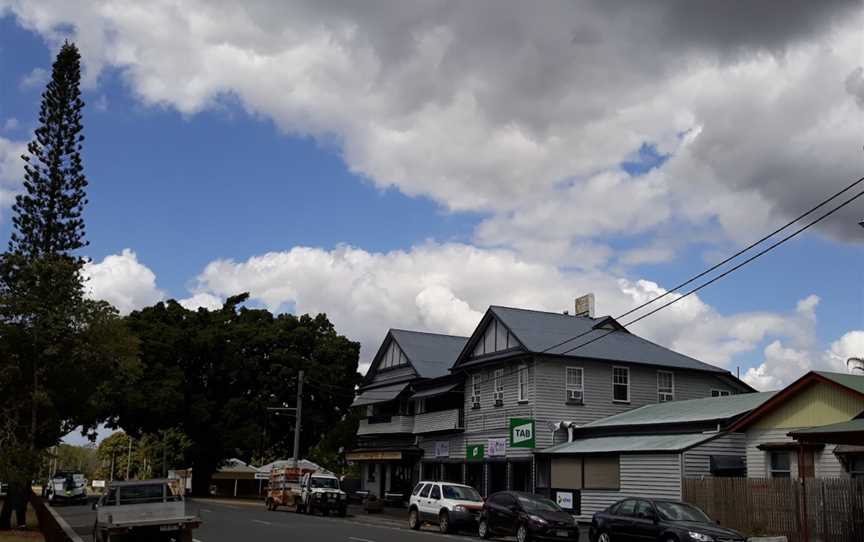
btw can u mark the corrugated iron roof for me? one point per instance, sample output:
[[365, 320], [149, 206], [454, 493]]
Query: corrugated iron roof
[[631, 443], [431, 354], [432, 392], [692, 410], [538, 330], [853, 382], [379, 395], [852, 426]]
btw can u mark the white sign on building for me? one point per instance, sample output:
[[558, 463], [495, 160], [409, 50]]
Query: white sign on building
[[442, 448], [496, 447], [564, 499]]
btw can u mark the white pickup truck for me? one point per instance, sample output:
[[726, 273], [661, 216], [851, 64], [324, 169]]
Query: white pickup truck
[[142, 510]]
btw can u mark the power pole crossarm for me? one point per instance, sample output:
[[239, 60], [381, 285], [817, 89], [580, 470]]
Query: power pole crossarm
[[297, 420]]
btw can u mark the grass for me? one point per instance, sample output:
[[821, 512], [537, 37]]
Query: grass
[[32, 533]]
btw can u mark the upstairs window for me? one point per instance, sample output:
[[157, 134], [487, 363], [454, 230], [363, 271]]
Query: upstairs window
[[523, 383], [856, 466], [574, 385], [475, 390], [393, 357], [495, 338], [665, 386], [720, 393], [621, 384], [498, 390], [780, 465]]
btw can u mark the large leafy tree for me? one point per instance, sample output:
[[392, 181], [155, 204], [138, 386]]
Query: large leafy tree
[[58, 350], [213, 375]]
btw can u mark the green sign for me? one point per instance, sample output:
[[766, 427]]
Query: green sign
[[521, 433], [475, 452]]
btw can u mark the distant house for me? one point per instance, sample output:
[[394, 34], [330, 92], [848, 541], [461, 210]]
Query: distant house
[[646, 452], [790, 435]]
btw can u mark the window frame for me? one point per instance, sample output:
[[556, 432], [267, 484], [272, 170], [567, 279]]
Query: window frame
[[435, 487], [498, 385], [671, 392], [614, 384], [568, 387], [716, 392], [475, 390], [522, 382], [773, 471]]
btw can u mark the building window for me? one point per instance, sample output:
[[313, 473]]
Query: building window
[[498, 391], [370, 410], [523, 383], [574, 385], [780, 464], [420, 407], [601, 472], [720, 393], [665, 386], [370, 471], [621, 384], [475, 391], [856, 466]]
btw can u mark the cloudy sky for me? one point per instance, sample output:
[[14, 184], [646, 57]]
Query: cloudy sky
[[406, 164]]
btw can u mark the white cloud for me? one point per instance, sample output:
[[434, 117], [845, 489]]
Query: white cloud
[[11, 171], [446, 288], [123, 281], [37, 78], [10, 124], [201, 300], [503, 107]]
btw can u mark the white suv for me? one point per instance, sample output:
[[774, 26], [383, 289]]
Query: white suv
[[451, 506]]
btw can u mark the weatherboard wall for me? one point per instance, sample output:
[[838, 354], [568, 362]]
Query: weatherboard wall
[[641, 475], [826, 462], [697, 460]]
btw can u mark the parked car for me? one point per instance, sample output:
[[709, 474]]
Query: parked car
[[67, 488], [657, 519], [143, 510], [450, 506], [529, 517]]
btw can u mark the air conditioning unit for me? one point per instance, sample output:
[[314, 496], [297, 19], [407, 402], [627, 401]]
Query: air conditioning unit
[[498, 396], [574, 396], [475, 401]]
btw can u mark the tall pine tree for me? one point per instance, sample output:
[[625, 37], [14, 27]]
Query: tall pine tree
[[47, 217], [58, 350]]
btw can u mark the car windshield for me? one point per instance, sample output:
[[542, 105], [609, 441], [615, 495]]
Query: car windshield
[[327, 483], [536, 504], [676, 511], [461, 493]]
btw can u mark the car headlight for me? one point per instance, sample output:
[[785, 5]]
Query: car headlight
[[701, 537], [537, 519], [458, 508]]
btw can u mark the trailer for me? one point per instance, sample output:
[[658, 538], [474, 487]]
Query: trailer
[[307, 491]]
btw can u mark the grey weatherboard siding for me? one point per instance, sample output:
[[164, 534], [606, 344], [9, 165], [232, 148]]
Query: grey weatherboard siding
[[826, 463], [697, 460]]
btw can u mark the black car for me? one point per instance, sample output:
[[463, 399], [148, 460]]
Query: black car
[[632, 520], [529, 517]]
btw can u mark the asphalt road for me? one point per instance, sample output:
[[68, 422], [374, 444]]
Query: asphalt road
[[242, 523]]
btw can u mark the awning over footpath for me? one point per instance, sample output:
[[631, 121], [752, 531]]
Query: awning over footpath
[[631, 443], [851, 432], [379, 395], [432, 392]]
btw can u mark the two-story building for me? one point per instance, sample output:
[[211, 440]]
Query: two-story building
[[531, 375], [407, 395]]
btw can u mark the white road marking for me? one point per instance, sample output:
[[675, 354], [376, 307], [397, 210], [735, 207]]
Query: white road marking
[[262, 522], [360, 539]]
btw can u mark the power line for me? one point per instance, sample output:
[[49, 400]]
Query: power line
[[722, 263], [727, 272]]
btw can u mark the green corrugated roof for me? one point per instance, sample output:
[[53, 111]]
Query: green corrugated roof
[[693, 410], [854, 382], [631, 443], [842, 427]]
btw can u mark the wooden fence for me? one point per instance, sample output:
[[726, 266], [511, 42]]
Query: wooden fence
[[803, 511]]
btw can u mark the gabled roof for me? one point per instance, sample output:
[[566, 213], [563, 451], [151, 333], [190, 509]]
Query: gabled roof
[[539, 330], [708, 409], [845, 383], [431, 354]]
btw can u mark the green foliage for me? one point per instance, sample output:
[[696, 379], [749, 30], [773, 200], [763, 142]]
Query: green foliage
[[329, 452], [212, 374], [148, 455], [67, 457]]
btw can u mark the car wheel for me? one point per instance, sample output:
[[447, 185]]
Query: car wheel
[[483, 529], [444, 522], [522, 535], [413, 519], [604, 537]]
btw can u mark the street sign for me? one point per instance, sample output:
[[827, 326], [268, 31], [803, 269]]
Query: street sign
[[522, 433], [98, 483], [442, 448], [475, 452], [262, 475]]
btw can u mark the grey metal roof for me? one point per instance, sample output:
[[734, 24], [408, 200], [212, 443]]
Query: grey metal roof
[[631, 443], [432, 392], [379, 395], [692, 410], [431, 354], [538, 330], [852, 426]]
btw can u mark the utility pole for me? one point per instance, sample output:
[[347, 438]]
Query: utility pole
[[129, 457], [297, 418], [164, 456], [113, 453]]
